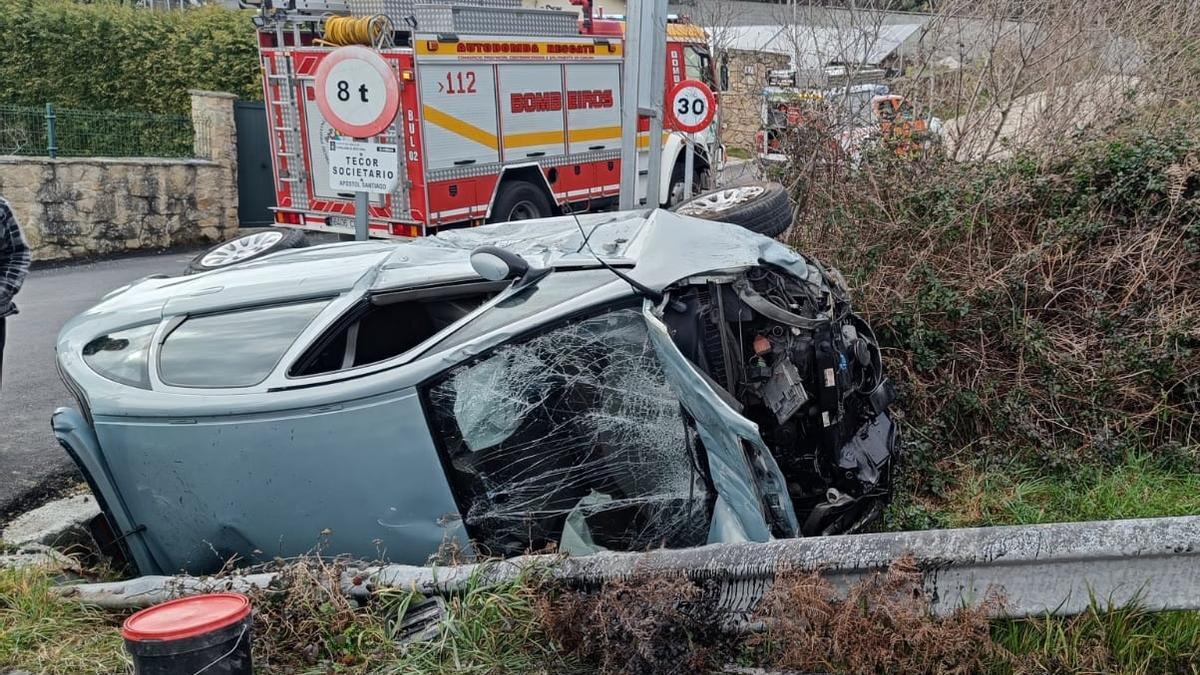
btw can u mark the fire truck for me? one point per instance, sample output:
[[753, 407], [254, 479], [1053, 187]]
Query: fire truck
[[506, 112]]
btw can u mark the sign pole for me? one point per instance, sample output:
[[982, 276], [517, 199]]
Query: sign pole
[[689, 164], [362, 202], [362, 221]]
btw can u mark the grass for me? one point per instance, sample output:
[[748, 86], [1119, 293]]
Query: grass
[[489, 630], [738, 153], [1020, 495], [503, 630], [1101, 640], [42, 635]]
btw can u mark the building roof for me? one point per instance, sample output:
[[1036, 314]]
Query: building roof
[[813, 47]]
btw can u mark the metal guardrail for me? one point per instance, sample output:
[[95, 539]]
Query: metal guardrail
[[1037, 569], [53, 132]]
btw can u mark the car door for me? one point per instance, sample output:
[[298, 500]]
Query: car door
[[752, 501]]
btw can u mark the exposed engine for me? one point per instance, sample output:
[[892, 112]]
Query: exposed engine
[[793, 358]]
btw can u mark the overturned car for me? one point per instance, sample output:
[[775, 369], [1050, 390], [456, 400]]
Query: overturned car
[[617, 382]]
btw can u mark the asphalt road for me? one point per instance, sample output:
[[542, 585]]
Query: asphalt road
[[31, 461]]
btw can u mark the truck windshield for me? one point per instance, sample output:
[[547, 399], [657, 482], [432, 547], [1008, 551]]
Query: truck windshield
[[698, 65]]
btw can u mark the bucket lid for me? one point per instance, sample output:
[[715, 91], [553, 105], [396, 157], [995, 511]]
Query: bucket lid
[[186, 617]]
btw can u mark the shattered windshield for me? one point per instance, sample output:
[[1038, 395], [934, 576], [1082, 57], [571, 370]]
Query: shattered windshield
[[573, 440]]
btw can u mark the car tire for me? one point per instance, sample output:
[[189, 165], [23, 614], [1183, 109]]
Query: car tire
[[520, 200], [675, 190], [759, 207], [252, 244]]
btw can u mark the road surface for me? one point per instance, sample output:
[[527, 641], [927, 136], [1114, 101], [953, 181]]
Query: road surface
[[31, 461]]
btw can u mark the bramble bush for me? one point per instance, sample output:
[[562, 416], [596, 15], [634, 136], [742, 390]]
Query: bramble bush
[[108, 56], [1034, 309]]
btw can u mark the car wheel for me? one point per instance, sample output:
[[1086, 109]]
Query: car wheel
[[253, 244], [675, 192], [759, 207], [520, 200]]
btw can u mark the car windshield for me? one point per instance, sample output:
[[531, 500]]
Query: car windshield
[[559, 287]]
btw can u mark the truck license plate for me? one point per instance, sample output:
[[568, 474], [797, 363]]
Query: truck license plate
[[342, 224]]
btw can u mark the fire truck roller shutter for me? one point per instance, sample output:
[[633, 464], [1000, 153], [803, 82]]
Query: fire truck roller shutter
[[593, 106], [531, 110], [458, 109]]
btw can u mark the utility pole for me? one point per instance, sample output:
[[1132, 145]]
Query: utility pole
[[642, 84]]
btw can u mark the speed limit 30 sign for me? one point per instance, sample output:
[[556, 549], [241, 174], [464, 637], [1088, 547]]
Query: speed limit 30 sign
[[356, 91], [691, 106]]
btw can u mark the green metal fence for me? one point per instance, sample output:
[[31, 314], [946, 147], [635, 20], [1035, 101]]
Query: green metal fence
[[62, 132]]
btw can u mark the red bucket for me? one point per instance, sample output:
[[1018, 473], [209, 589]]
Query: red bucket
[[207, 634]]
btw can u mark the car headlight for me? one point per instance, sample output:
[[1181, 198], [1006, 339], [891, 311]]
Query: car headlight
[[122, 356]]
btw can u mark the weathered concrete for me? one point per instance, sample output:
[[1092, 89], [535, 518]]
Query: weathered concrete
[[1037, 570], [61, 523], [91, 206], [37, 556]]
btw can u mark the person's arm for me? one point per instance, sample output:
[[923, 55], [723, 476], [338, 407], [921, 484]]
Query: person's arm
[[14, 256]]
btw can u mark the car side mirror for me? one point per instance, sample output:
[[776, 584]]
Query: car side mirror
[[495, 264]]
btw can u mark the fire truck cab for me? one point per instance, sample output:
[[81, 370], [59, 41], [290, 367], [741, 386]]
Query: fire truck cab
[[506, 112]]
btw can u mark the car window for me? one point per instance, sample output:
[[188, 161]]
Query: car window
[[391, 323], [560, 286], [233, 349], [572, 439]]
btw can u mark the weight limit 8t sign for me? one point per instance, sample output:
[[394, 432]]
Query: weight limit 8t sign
[[692, 106], [356, 91]]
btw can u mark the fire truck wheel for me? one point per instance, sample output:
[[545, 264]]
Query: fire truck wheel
[[253, 244], [760, 207], [520, 200]]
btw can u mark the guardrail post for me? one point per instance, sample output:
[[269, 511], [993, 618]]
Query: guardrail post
[[51, 145]]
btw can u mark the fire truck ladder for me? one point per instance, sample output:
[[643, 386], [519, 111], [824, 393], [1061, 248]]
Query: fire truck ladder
[[283, 114]]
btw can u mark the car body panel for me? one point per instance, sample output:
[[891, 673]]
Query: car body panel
[[359, 477]]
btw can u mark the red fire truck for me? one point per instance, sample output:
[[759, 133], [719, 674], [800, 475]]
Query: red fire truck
[[506, 113]]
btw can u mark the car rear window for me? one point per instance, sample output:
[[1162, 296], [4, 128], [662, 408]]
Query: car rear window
[[234, 349]]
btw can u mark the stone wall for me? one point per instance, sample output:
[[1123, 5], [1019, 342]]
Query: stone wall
[[87, 206], [741, 115]]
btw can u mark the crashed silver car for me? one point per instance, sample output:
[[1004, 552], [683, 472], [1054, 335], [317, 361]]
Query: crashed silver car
[[621, 382]]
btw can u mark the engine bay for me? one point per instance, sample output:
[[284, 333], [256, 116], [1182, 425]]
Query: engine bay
[[790, 355]]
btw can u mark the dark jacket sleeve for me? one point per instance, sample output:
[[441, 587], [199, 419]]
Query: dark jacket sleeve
[[14, 258]]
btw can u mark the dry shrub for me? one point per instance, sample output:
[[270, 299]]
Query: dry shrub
[[883, 625], [653, 624], [1041, 308], [304, 618]]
